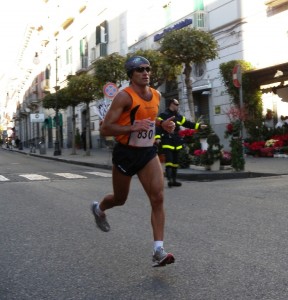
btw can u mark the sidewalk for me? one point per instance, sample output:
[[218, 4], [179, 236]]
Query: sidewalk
[[101, 158]]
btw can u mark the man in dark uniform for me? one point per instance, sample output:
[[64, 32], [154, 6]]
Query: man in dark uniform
[[172, 143]]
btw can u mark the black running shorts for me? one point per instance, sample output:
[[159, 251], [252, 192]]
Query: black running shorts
[[130, 160]]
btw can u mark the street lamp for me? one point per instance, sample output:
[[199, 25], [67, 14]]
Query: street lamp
[[57, 149]]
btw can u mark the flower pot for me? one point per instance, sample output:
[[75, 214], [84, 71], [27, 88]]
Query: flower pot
[[203, 142], [215, 166]]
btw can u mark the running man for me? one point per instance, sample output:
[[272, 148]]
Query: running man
[[131, 119]]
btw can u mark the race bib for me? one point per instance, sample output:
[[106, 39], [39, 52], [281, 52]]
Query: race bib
[[143, 138]]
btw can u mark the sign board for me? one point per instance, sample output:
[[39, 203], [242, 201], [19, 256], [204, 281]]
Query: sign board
[[217, 110], [177, 26], [10, 132], [37, 118], [237, 76], [110, 90], [102, 108]]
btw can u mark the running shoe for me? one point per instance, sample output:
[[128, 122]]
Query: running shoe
[[100, 218], [161, 258]]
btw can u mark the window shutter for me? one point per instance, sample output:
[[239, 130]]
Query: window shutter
[[82, 50], [98, 35], [198, 5]]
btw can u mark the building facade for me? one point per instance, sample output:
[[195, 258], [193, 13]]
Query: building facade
[[70, 37]]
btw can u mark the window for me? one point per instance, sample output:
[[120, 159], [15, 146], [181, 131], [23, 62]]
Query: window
[[102, 38], [200, 20], [92, 54], [198, 70], [102, 33], [69, 56], [84, 53]]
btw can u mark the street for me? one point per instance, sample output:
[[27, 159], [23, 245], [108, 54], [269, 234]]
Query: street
[[229, 237]]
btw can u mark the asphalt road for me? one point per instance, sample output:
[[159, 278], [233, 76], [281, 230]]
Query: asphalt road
[[229, 237]]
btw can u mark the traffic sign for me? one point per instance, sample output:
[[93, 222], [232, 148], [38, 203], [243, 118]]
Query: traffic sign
[[37, 118], [237, 76], [110, 90]]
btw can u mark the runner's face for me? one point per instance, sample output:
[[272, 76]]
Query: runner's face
[[141, 75]]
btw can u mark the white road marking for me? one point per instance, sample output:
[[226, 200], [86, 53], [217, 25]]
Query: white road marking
[[100, 174], [3, 178], [34, 177], [69, 175]]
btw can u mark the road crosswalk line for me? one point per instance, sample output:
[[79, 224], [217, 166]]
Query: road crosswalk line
[[34, 177], [70, 175], [52, 176], [100, 174], [3, 178]]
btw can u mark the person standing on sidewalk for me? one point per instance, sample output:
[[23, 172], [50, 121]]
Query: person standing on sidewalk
[[172, 143], [83, 139], [131, 119]]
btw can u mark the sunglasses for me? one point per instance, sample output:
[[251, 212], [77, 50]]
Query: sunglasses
[[142, 69], [175, 104]]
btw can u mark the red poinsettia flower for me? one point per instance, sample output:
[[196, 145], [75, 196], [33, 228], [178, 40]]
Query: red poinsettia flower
[[199, 152], [229, 127], [282, 140], [187, 132], [279, 144], [257, 145]]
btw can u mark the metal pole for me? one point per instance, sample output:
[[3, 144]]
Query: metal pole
[[57, 150], [241, 110], [241, 106]]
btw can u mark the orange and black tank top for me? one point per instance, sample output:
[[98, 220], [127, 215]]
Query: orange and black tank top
[[139, 110]]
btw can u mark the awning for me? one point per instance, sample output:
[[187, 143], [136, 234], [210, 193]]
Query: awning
[[201, 85], [273, 74], [283, 93]]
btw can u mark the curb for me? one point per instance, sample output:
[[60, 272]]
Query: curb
[[213, 176]]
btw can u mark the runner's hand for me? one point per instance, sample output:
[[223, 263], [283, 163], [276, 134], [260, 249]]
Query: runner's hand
[[141, 125]]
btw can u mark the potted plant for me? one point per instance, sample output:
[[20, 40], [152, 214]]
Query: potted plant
[[211, 157], [184, 159], [234, 132], [202, 135], [267, 152], [226, 158]]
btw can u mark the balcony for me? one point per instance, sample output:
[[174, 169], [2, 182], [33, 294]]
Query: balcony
[[45, 85], [274, 3]]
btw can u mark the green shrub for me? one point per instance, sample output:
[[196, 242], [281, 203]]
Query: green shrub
[[184, 158]]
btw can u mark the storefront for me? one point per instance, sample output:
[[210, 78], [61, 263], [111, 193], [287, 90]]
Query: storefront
[[273, 83]]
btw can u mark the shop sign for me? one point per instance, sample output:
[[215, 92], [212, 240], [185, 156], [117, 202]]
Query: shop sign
[[177, 26], [37, 118]]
